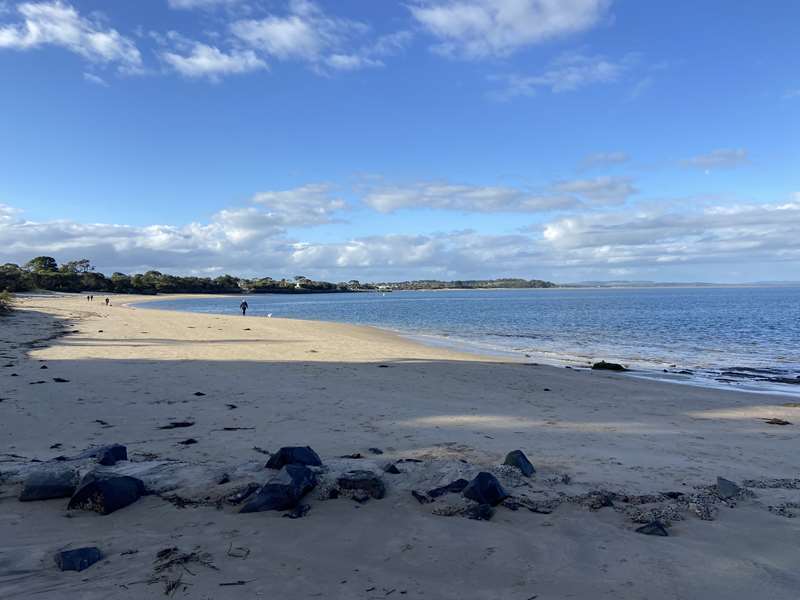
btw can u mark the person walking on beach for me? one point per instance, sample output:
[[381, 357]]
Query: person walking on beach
[[107, 301], [243, 306]]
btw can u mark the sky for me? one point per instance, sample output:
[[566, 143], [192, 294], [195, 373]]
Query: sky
[[568, 140]]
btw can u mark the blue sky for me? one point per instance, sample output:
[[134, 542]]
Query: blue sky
[[572, 140]]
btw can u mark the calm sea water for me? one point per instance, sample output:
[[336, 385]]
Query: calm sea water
[[747, 337]]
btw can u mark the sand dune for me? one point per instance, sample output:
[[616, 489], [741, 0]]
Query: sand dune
[[251, 385]]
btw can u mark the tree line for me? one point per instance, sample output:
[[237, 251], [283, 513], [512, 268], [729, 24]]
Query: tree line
[[44, 273]]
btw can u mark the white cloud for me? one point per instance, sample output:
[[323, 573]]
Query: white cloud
[[95, 79], [601, 190], [466, 198], [209, 61], [567, 73], [483, 28], [305, 33], [745, 233], [190, 4], [253, 240], [59, 24], [726, 158], [604, 159]]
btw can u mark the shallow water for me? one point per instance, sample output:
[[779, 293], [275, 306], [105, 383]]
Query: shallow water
[[741, 337]]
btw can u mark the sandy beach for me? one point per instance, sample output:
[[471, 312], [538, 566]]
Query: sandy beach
[[603, 444]]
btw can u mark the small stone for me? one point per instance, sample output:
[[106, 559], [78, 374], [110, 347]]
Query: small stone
[[479, 512], [49, 483], [294, 455], [455, 487], [653, 528], [608, 366], [518, 459], [362, 480], [283, 491], [392, 469], [188, 442], [106, 493], [420, 497], [727, 489], [109, 455], [78, 559], [485, 489], [376, 450]]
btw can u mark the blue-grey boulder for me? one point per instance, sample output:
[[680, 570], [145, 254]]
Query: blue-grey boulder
[[284, 491], [106, 493], [485, 489], [518, 459], [726, 489], [46, 484], [78, 559], [294, 455]]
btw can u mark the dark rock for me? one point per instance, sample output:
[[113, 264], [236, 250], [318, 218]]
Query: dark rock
[[294, 455], [354, 455], [300, 511], [60, 380], [78, 559], [775, 421], [109, 455], [409, 460], [283, 491], [420, 497], [362, 480], [608, 366], [177, 425], [43, 367], [199, 394], [188, 442], [223, 479], [115, 451], [485, 489], [106, 493], [454, 487], [518, 459], [479, 512], [375, 450], [653, 528], [727, 489], [50, 483], [392, 469]]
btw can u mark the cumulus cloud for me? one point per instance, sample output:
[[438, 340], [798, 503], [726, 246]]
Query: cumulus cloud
[[754, 232], [57, 23], [567, 73], [725, 158], [484, 28], [466, 198], [254, 240], [202, 60]]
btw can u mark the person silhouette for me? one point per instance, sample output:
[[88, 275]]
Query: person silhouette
[[243, 306]]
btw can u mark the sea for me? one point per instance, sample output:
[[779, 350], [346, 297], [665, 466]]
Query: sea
[[745, 338]]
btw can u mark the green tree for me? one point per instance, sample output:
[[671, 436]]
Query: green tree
[[42, 264]]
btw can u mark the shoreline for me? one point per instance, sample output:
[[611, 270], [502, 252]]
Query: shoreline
[[666, 372], [607, 449]]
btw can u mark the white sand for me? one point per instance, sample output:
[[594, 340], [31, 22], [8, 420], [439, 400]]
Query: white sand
[[301, 382]]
